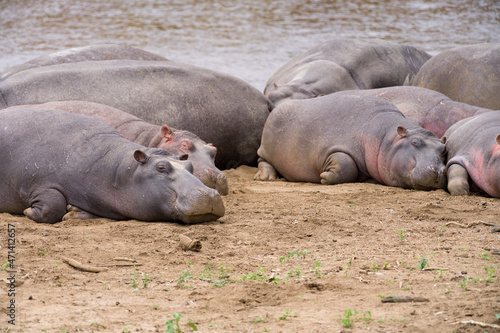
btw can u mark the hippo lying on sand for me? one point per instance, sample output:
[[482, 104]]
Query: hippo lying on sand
[[219, 108], [468, 74], [344, 64], [428, 108], [176, 142], [340, 139], [52, 159], [473, 146], [85, 53]]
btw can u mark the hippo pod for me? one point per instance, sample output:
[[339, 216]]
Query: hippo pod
[[428, 108], [219, 108], [341, 138], [473, 146], [176, 142], [52, 159], [344, 64], [468, 74]]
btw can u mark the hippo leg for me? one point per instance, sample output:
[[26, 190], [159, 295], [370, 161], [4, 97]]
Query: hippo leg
[[77, 213], [458, 180], [48, 207], [339, 168], [266, 171]]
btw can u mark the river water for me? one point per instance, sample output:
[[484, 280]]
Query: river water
[[249, 39]]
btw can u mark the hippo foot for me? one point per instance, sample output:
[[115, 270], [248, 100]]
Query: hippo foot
[[458, 180], [30, 213], [77, 213], [340, 168], [266, 171]]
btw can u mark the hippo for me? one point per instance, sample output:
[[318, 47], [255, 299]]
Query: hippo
[[473, 146], [468, 74], [54, 161], [84, 53], [344, 64], [428, 108], [177, 142], [219, 108], [336, 139]]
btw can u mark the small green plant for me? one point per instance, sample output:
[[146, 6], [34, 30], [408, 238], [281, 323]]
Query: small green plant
[[41, 253], [367, 316], [97, 326], [317, 267], [258, 320], [293, 253], [448, 291], [346, 319], [4, 266], [440, 273], [485, 256], [401, 234], [407, 287], [173, 326], [423, 263], [146, 281], [491, 272], [464, 283], [155, 306], [286, 314], [374, 267], [185, 276], [134, 280]]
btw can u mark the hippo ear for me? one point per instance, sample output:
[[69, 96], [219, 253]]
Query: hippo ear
[[443, 139], [186, 146], [140, 156], [275, 85], [498, 139], [402, 132], [166, 132]]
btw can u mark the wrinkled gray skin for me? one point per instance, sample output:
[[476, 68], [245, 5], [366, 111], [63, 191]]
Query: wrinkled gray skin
[[85, 53], [428, 108], [176, 142], [54, 161], [341, 139], [344, 64], [219, 108], [473, 146], [468, 74]]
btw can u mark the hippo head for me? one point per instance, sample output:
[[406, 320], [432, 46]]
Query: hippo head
[[167, 189], [415, 159], [290, 91], [200, 154]]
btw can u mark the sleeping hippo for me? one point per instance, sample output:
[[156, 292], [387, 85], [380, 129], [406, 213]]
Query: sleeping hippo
[[177, 142], [473, 146], [428, 108], [341, 138], [219, 108], [468, 74], [85, 53], [344, 64], [54, 160]]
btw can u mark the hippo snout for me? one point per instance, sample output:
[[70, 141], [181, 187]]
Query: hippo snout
[[216, 180], [431, 177], [202, 205]]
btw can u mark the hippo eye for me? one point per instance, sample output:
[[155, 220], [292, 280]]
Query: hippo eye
[[183, 157], [163, 167], [415, 142]]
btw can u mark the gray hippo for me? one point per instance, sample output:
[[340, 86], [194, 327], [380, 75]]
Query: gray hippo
[[53, 159], [344, 64], [85, 53], [467, 74], [428, 108], [176, 142], [219, 108], [341, 138], [473, 146]]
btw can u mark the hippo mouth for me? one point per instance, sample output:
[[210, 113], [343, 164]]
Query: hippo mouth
[[203, 206], [428, 180]]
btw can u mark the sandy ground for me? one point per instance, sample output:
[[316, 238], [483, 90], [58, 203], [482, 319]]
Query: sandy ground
[[286, 257]]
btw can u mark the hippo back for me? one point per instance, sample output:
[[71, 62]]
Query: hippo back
[[468, 74], [343, 64], [86, 53]]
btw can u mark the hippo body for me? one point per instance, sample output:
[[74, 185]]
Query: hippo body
[[86, 53], [427, 108], [176, 142], [473, 147], [344, 64], [52, 159], [468, 74], [340, 138], [219, 108]]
